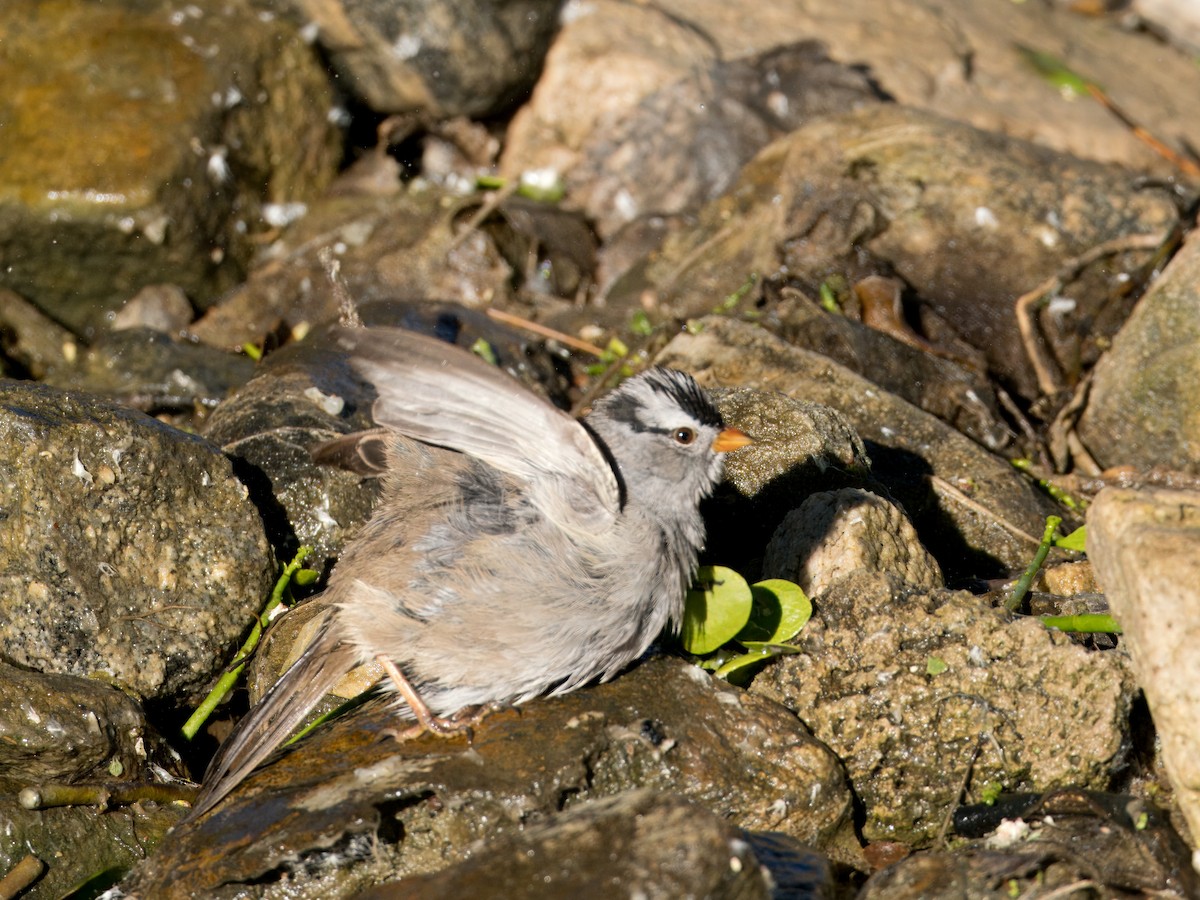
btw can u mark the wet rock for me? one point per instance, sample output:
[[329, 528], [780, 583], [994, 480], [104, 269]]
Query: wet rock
[[143, 140], [422, 804], [129, 551], [67, 729], [874, 192], [926, 694], [1142, 407], [637, 844], [442, 58], [400, 246], [79, 844], [147, 370], [159, 307], [1111, 843], [33, 343], [836, 533], [307, 393], [975, 514], [1144, 546]]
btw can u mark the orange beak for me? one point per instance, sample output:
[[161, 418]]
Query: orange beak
[[731, 439]]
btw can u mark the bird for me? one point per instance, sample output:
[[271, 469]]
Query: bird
[[541, 553]]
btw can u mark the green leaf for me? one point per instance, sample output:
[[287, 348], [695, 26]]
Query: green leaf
[[717, 608], [639, 323], [778, 612], [305, 577], [935, 666], [484, 351], [1076, 540]]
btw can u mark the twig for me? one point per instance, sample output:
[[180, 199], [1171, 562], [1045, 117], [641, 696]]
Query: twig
[[975, 506], [546, 332], [1028, 303], [47, 796], [21, 876], [489, 206], [958, 794]]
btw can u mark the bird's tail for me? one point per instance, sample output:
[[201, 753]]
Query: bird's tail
[[272, 719]]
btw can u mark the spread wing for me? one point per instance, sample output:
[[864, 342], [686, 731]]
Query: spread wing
[[440, 394]]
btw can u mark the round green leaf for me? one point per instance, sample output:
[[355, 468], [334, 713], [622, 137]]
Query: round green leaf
[[717, 608], [779, 610]]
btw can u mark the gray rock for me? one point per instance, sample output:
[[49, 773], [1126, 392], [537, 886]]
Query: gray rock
[[160, 307], [129, 551], [1142, 406], [972, 510], [836, 533], [925, 694], [1145, 546], [421, 805]]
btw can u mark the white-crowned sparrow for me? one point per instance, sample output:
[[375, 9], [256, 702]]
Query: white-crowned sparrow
[[546, 553]]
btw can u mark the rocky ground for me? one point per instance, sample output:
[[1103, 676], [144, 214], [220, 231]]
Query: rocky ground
[[905, 244]]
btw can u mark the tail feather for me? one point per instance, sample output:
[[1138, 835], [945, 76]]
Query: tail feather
[[275, 716]]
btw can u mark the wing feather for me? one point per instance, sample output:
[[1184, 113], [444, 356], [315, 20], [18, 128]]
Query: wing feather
[[441, 394]]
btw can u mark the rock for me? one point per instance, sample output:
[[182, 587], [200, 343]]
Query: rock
[[1118, 843], [683, 142], [159, 307], [924, 694], [441, 58], [421, 805], [146, 369], [60, 728], [1142, 408], [129, 551], [799, 447], [1145, 547], [874, 192], [402, 246], [636, 844], [80, 843], [618, 55], [836, 533], [949, 383], [974, 512], [143, 140], [1177, 19]]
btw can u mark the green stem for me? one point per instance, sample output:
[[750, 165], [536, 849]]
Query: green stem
[[1091, 623], [226, 682], [1021, 588]]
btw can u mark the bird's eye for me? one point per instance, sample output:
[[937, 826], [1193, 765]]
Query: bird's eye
[[684, 436]]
